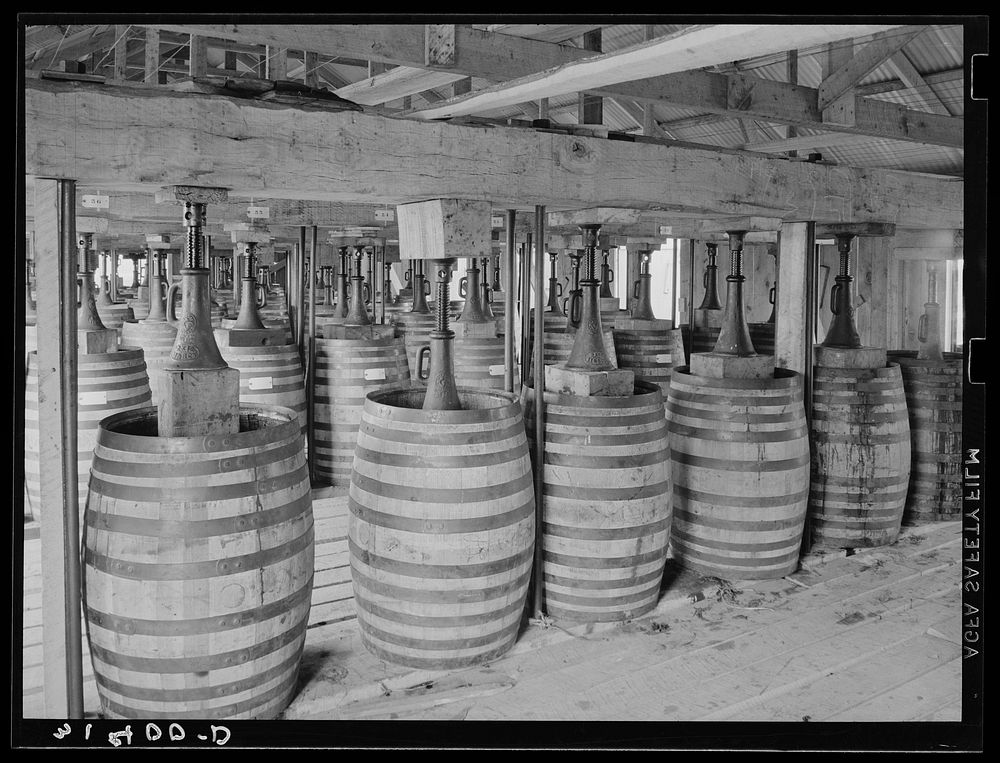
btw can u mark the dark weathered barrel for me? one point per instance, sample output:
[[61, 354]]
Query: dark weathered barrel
[[934, 401], [270, 375], [108, 383], [346, 371], [860, 456], [762, 337], [650, 353], [156, 340], [441, 530], [559, 344], [607, 503], [740, 451], [198, 567], [415, 328], [479, 361]]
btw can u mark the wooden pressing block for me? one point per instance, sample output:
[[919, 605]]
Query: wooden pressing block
[[250, 337], [94, 341], [609, 304], [602, 215], [720, 365], [470, 329], [199, 402], [444, 229], [626, 323], [849, 357], [341, 331], [614, 382], [707, 318]]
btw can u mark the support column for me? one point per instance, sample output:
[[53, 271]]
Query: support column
[[55, 266], [507, 276], [796, 309]]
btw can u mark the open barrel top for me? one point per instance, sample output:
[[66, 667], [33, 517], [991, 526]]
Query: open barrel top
[[137, 431], [478, 405]]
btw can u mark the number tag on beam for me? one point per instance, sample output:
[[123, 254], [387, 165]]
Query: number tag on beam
[[664, 358], [92, 398], [90, 201], [374, 374], [666, 230], [385, 214], [261, 382], [258, 213], [496, 370], [496, 221]]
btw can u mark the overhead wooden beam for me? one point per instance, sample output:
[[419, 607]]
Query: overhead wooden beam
[[806, 142], [892, 85], [743, 95], [120, 52], [142, 208], [691, 48], [909, 75], [396, 83], [276, 63], [139, 138], [871, 56]]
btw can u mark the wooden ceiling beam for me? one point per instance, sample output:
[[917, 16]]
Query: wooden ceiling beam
[[870, 57], [690, 48], [132, 139]]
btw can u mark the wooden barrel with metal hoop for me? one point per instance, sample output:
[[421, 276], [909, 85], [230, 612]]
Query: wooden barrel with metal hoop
[[441, 529], [198, 567]]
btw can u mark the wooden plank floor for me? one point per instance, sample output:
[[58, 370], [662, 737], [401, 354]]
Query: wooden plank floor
[[872, 636]]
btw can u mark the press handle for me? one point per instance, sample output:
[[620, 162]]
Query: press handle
[[576, 307], [635, 290], [834, 307], [770, 296], [487, 293], [922, 328], [427, 288], [611, 276], [463, 286], [171, 306], [366, 293], [423, 352]]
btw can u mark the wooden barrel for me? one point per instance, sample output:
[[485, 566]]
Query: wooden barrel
[[740, 452], [607, 502], [156, 340], [559, 344], [108, 383], [346, 371], [762, 337], [270, 375], [701, 339], [860, 456], [441, 527], [198, 557], [415, 328], [479, 362], [113, 316], [651, 353], [934, 402]]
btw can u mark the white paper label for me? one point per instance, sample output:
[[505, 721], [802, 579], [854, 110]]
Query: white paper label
[[92, 398], [664, 358], [374, 374], [91, 201], [496, 370], [666, 230], [385, 214], [261, 382], [258, 213], [496, 221]]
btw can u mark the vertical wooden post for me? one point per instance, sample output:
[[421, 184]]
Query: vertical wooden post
[[539, 382], [543, 108], [311, 357], [55, 266], [462, 86], [121, 52], [276, 65], [299, 288], [793, 340], [198, 56], [590, 108], [648, 125], [876, 253], [152, 55], [310, 75], [507, 278], [792, 72]]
